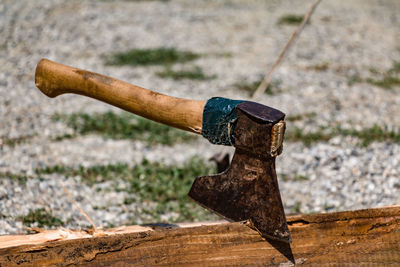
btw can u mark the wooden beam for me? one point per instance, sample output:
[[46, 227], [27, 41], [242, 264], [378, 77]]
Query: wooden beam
[[364, 237]]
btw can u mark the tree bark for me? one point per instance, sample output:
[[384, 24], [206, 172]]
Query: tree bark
[[363, 237]]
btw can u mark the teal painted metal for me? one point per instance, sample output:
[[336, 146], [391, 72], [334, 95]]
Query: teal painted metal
[[219, 119]]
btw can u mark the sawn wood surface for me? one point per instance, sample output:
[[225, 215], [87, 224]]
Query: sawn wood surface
[[364, 237]]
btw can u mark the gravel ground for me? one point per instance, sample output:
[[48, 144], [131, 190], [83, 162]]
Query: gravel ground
[[349, 37]]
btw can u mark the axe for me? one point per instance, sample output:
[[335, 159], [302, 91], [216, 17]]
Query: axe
[[248, 189]]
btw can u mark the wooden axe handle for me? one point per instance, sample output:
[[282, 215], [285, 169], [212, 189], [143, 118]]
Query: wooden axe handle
[[54, 79]]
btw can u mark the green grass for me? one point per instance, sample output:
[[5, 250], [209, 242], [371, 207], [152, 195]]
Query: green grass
[[90, 175], [299, 178], [20, 178], [386, 79], [324, 66], [250, 87], [195, 73], [222, 54], [296, 209], [395, 67], [42, 218], [299, 117], [123, 126], [367, 136], [308, 138], [16, 141], [295, 178], [386, 82], [373, 70], [290, 19], [373, 134], [145, 57], [354, 79], [166, 186]]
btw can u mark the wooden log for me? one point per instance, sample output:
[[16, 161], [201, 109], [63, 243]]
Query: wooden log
[[364, 237]]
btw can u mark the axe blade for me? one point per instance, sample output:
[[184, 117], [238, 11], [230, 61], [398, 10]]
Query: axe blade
[[248, 190]]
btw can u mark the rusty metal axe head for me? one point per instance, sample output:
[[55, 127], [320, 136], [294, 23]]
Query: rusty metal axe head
[[248, 189]]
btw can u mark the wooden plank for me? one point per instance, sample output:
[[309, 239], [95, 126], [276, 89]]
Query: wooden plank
[[63, 234], [364, 237]]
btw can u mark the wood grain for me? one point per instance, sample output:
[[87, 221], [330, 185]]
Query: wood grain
[[54, 79], [365, 237]]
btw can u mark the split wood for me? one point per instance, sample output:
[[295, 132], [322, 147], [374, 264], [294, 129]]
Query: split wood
[[357, 238]]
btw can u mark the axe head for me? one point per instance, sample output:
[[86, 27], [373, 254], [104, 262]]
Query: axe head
[[248, 189]]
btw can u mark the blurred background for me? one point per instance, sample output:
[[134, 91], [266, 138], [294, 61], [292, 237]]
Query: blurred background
[[339, 86]]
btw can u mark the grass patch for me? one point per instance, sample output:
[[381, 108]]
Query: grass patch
[[299, 117], [324, 66], [386, 82], [195, 73], [15, 141], [64, 136], [90, 175], [386, 79], [373, 70], [223, 54], [354, 79], [296, 209], [124, 126], [167, 186], [20, 178], [396, 67], [373, 134], [296, 178], [273, 87], [367, 136], [42, 218], [307, 138], [145, 57], [291, 19], [299, 178]]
